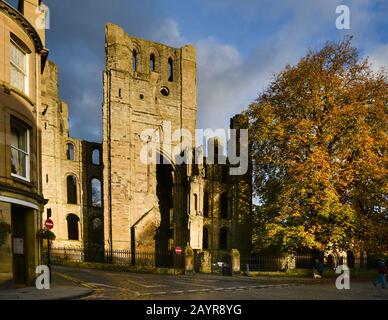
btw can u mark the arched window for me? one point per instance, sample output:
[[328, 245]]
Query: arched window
[[152, 62], [170, 70], [72, 227], [224, 206], [134, 60], [195, 202], [224, 238], [205, 238], [206, 205], [70, 151], [96, 157], [71, 190], [96, 193]]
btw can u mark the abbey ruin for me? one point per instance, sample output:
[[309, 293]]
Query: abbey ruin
[[104, 195]]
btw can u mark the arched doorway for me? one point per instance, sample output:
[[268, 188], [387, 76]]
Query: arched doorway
[[164, 191]]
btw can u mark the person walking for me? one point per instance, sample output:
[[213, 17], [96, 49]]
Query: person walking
[[382, 270]]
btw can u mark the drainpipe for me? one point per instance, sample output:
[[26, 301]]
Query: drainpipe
[[38, 149]]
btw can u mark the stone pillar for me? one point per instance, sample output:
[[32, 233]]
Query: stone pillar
[[189, 260], [291, 261], [206, 262], [235, 260]]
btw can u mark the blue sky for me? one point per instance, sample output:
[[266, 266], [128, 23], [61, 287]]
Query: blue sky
[[240, 45]]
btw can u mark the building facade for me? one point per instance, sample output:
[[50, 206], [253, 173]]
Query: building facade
[[106, 195], [22, 60]]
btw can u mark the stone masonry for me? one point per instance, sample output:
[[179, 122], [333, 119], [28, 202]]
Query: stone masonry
[[152, 207]]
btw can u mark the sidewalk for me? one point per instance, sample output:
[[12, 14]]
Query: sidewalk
[[57, 292], [61, 289]]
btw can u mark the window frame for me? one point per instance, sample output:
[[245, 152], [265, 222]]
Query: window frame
[[76, 190], [152, 62], [226, 239], [99, 157], [17, 124], [93, 204], [224, 204], [134, 60], [68, 144], [73, 218], [170, 70], [26, 89], [206, 204]]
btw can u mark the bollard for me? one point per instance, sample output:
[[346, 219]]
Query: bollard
[[234, 261], [189, 260]]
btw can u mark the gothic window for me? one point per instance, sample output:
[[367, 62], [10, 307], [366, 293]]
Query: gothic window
[[224, 238], [72, 227], [70, 151], [71, 190], [96, 157], [152, 62], [205, 238], [206, 204], [170, 70], [224, 206], [134, 60], [96, 193]]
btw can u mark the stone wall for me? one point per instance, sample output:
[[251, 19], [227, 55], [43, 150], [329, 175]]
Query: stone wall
[[145, 207], [136, 99], [57, 166]]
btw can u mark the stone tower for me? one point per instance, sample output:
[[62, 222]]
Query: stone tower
[[149, 86]]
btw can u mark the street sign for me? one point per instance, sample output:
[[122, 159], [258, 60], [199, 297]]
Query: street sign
[[178, 250], [49, 224]]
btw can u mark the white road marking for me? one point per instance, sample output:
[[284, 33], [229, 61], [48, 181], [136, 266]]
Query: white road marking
[[145, 285], [101, 285], [193, 284]]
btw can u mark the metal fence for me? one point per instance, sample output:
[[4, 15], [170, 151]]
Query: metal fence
[[124, 258], [219, 259], [273, 262]]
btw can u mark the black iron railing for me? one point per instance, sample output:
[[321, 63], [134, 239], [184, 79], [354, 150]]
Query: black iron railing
[[124, 258]]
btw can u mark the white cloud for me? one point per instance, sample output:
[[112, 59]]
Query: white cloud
[[378, 57], [168, 32], [215, 58]]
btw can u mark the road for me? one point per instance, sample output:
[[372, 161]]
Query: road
[[111, 285]]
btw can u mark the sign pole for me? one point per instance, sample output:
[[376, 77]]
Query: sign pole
[[48, 254], [177, 254], [49, 224]]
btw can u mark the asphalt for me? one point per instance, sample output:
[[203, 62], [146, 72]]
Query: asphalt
[[90, 284], [114, 285]]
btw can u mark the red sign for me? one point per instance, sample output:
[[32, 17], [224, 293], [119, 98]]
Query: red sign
[[178, 250], [49, 224]]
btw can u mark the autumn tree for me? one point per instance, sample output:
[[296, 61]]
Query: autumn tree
[[319, 135]]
